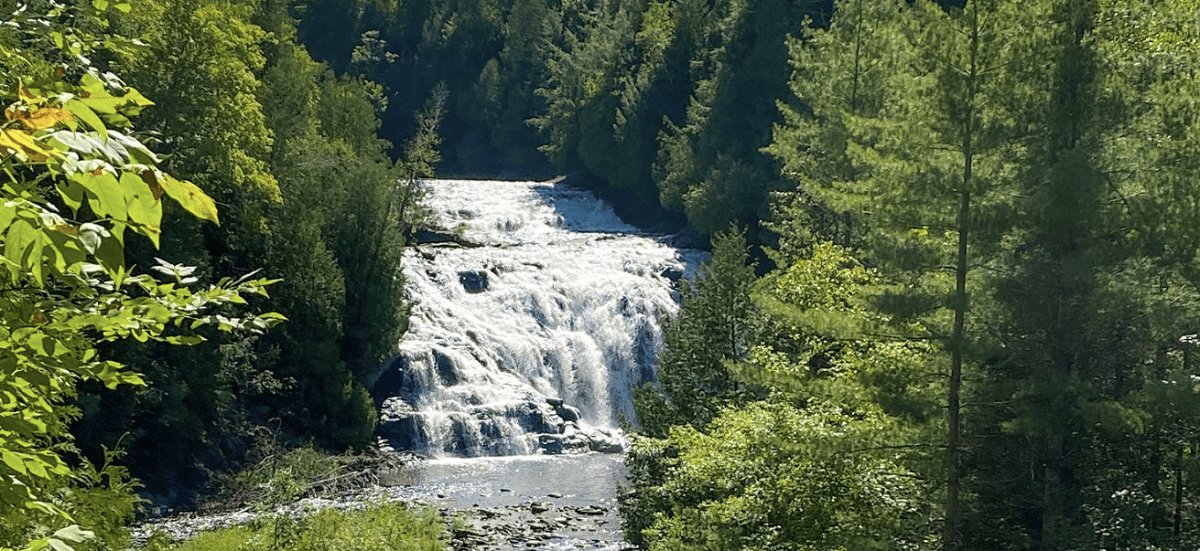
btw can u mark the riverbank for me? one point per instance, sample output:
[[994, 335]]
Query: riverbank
[[559, 503]]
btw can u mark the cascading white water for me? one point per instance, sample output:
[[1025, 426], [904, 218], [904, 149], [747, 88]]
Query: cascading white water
[[530, 329]]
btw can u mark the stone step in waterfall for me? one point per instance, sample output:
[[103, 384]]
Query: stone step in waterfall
[[531, 324]]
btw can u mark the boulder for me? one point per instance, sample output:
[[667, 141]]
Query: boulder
[[551, 444], [433, 235], [539, 418], [673, 273], [399, 425], [446, 370], [603, 441], [569, 414], [474, 281], [395, 379]]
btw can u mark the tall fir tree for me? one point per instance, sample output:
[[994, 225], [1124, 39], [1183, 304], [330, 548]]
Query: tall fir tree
[[716, 326], [912, 120]]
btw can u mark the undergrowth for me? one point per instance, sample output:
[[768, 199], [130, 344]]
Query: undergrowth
[[391, 526]]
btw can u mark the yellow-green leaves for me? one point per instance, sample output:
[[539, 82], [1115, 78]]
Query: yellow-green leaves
[[73, 179], [37, 118], [97, 171], [21, 145], [103, 5], [62, 539], [191, 198]]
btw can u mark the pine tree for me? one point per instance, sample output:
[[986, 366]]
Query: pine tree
[[918, 149], [716, 325], [709, 167]]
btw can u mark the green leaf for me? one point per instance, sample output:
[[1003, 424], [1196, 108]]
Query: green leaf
[[184, 340], [111, 256], [105, 195], [13, 461], [191, 198], [74, 533], [72, 194], [7, 213], [84, 113], [37, 468], [143, 208], [113, 374], [19, 241]]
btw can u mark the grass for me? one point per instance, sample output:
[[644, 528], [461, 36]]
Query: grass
[[391, 526]]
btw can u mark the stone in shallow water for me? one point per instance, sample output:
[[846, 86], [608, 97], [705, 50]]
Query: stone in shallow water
[[673, 273]]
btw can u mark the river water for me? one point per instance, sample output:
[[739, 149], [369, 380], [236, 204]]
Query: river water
[[528, 333], [527, 502], [508, 503]]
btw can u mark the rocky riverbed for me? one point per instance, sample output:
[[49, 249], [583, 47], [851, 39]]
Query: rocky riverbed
[[553, 503], [538, 525]]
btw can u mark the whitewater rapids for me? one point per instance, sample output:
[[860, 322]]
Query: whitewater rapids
[[536, 311]]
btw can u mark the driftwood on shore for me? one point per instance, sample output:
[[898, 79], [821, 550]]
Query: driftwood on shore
[[314, 475]]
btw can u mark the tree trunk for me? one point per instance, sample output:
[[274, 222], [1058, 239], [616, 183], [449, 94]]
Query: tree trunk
[[958, 338], [1177, 528]]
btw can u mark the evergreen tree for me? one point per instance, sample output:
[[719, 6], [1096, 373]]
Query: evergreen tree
[[503, 98], [926, 167], [584, 72], [715, 326], [1085, 347], [710, 167], [834, 457]]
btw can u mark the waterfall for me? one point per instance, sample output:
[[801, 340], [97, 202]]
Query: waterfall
[[536, 311]]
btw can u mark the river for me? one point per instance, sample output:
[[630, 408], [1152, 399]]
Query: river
[[529, 330], [552, 503]]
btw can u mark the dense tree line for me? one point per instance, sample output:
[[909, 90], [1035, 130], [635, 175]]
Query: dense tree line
[[660, 105], [978, 330], [951, 304], [312, 197]]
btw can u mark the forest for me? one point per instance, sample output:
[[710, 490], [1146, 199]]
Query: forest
[[952, 301]]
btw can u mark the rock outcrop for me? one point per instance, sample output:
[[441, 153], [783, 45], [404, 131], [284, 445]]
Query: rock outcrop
[[556, 427]]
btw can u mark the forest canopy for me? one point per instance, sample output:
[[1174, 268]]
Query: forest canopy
[[952, 301]]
